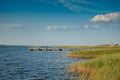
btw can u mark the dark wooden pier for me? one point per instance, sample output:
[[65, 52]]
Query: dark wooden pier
[[50, 49]]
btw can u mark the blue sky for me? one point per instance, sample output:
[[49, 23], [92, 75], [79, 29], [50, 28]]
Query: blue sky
[[59, 22]]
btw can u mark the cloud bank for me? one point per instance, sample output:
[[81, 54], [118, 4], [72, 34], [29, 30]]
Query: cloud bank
[[64, 27], [86, 26], [106, 17], [10, 25]]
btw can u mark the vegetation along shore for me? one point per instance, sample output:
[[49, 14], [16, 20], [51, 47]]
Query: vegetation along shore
[[104, 63]]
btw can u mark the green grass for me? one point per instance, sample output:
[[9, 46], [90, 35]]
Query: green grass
[[94, 52], [105, 67], [90, 47]]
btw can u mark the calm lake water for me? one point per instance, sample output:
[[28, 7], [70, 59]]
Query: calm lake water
[[18, 63]]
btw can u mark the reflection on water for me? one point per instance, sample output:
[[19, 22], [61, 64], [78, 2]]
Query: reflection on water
[[17, 63]]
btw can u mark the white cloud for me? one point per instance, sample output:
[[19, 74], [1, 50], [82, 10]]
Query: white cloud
[[106, 17], [95, 26], [71, 4], [86, 26], [10, 25], [76, 5], [82, 5], [65, 27]]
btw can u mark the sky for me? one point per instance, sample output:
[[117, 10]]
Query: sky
[[59, 22]]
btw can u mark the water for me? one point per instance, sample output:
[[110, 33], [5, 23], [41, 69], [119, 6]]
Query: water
[[18, 63]]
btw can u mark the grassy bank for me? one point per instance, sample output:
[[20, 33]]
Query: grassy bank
[[105, 67], [94, 52], [90, 47]]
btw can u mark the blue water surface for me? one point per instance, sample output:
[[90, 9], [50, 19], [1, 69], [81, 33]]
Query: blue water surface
[[18, 63]]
